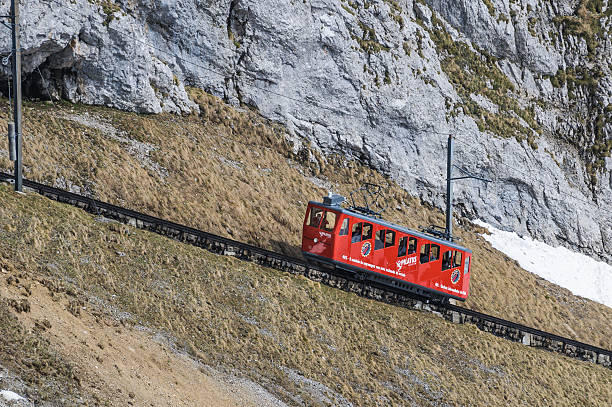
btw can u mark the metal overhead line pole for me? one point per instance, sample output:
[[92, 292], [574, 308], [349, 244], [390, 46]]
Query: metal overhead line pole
[[14, 128], [448, 232], [17, 91], [449, 188]]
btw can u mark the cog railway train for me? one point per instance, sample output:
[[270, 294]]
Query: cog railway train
[[388, 254]]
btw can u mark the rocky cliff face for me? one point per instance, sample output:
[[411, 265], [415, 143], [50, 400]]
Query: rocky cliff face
[[525, 85]]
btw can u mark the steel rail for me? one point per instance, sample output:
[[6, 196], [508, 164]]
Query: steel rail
[[219, 244]]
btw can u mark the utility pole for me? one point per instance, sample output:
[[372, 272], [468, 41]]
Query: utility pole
[[448, 233], [16, 62], [17, 90], [449, 188]]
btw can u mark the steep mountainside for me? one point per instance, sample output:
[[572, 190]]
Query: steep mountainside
[[78, 292], [233, 173], [525, 85], [118, 316]]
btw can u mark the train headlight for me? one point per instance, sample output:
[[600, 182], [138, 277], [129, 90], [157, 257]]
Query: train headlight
[[316, 240]]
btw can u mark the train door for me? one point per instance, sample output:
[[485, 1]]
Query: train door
[[361, 244], [385, 251], [378, 257], [390, 250], [451, 261], [429, 262], [342, 246], [406, 261]]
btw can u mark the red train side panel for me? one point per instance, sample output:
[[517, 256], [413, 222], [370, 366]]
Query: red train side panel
[[395, 255]]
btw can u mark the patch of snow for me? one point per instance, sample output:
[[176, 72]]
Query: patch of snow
[[10, 396], [579, 273]]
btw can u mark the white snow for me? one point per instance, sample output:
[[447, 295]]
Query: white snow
[[10, 396], [579, 273]]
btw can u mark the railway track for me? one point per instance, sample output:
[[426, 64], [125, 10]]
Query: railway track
[[368, 288]]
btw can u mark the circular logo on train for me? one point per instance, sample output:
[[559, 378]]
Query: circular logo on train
[[455, 276], [366, 249]]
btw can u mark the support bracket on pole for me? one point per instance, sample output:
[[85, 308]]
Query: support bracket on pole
[[469, 175], [447, 232]]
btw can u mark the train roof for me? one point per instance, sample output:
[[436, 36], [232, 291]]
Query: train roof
[[381, 222]]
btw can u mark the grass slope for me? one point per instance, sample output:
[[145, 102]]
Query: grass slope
[[309, 344], [228, 171], [60, 350]]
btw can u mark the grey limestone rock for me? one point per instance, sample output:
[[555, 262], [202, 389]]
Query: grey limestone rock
[[372, 80]]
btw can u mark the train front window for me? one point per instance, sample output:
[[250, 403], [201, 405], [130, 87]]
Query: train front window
[[378, 242], [457, 259], [446, 260], [367, 231], [424, 257], [466, 266], [435, 252], [329, 221], [412, 245], [316, 214], [345, 227], [401, 249], [390, 240], [356, 235]]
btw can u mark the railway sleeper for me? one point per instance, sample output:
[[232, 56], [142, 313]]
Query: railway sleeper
[[604, 360]]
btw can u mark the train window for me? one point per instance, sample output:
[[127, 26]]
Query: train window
[[446, 260], [315, 217], [390, 240], [367, 231], [329, 221], [424, 257], [412, 245], [356, 235], [435, 252], [378, 242], [345, 227], [466, 266], [401, 249], [457, 259]]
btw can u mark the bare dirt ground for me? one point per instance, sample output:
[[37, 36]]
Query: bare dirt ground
[[120, 365]]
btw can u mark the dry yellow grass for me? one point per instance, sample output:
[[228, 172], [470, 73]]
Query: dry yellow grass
[[65, 350], [233, 173], [283, 331]]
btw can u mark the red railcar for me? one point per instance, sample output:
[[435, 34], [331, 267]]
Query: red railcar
[[386, 253]]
